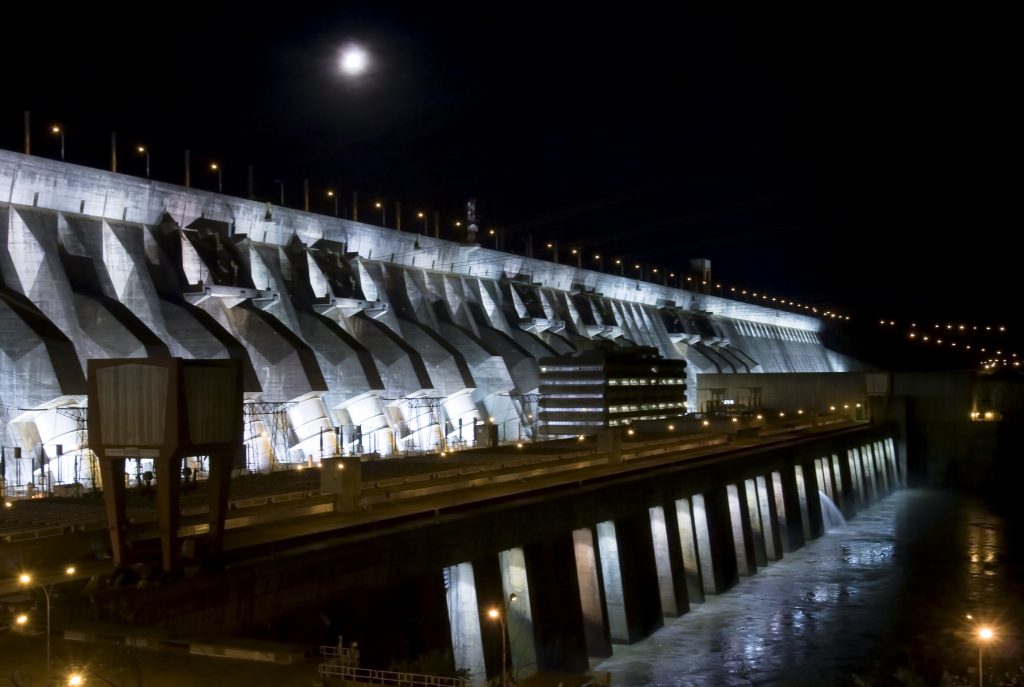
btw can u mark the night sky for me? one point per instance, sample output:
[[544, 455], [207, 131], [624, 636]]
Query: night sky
[[863, 161]]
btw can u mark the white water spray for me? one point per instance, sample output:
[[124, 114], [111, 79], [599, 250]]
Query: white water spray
[[831, 516]]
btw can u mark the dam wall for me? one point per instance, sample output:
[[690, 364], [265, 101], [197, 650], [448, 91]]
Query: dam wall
[[354, 339]]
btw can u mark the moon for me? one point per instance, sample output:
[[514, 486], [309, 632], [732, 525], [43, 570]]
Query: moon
[[353, 60]]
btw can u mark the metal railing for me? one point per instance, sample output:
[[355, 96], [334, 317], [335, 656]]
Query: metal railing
[[369, 676]]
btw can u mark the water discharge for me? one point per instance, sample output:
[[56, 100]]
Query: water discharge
[[888, 591], [831, 516]]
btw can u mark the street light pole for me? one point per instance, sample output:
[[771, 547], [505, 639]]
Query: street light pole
[[499, 615], [332, 194], [281, 184], [214, 167], [144, 151], [26, 579], [60, 132], [494, 613], [383, 213], [984, 635]]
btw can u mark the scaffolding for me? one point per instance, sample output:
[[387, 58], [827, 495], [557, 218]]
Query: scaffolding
[[434, 403], [277, 412], [80, 415]]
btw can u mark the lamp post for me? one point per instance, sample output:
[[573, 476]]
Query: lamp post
[[60, 132], [25, 579], [383, 213], [423, 216], [499, 615], [985, 635], [332, 194], [143, 150], [553, 245], [495, 614], [214, 167], [281, 184]]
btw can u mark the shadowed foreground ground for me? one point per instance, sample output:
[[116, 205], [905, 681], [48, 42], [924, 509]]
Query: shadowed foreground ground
[[23, 663]]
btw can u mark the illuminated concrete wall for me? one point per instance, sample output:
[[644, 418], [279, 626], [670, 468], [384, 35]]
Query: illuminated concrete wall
[[611, 576], [522, 652], [354, 338], [769, 519], [756, 525], [464, 619], [804, 495], [741, 536], [688, 551], [703, 538], [595, 627], [670, 605]]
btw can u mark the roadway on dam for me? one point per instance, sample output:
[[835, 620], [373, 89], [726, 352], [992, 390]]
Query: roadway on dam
[[288, 507]]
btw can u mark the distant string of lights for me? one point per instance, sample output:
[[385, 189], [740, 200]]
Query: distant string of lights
[[949, 336], [942, 334]]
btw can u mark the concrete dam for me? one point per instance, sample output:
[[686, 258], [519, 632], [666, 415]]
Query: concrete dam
[[353, 338]]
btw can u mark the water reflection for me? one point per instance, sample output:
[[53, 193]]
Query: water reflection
[[890, 590]]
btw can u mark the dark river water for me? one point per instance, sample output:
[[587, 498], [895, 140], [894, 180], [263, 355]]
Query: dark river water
[[888, 592]]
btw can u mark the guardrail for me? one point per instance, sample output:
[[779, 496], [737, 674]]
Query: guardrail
[[369, 676]]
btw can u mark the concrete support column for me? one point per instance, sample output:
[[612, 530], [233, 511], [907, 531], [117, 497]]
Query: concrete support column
[[688, 551], [756, 525], [464, 620], [823, 470], [168, 503], [112, 477], [812, 489], [769, 518], [610, 441], [611, 581], [883, 468], [864, 476], [898, 469], [869, 473], [840, 484], [742, 538], [876, 471], [787, 501], [801, 491], [342, 477], [899, 478], [515, 579], [668, 560], [872, 471], [845, 474], [221, 464], [629, 575], [856, 482], [595, 622], [558, 614], [714, 540]]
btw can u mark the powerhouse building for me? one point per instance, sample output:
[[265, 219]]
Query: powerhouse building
[[609, 387]]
